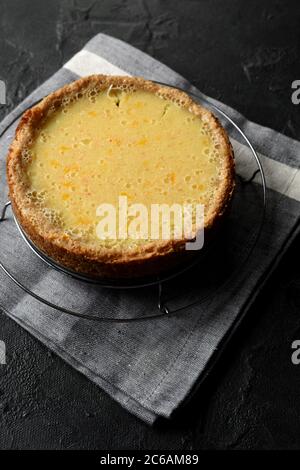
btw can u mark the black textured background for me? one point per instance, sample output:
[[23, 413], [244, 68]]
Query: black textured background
[[247, 55]]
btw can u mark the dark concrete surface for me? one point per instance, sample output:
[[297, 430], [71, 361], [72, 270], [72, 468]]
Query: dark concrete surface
[[247, 55]]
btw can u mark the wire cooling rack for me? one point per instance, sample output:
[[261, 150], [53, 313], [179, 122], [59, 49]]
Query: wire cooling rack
[[192, 281]]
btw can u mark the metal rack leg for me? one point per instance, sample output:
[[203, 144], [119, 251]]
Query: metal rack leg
[[161, 306], [4, 210], [250, 179]]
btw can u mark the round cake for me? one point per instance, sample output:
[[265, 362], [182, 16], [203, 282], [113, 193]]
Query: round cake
[[103, 141]]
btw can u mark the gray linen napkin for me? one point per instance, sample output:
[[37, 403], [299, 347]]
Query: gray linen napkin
[[150, 367]]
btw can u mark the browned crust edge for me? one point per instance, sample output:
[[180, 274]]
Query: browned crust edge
[[151, 258]]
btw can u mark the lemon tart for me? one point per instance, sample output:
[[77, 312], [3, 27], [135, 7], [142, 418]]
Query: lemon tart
[[102, 138]]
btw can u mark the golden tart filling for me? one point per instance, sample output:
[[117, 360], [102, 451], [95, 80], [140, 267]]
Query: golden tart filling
[[105, 137]]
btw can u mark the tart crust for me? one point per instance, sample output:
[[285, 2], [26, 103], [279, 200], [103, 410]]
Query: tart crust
[[151, 258]]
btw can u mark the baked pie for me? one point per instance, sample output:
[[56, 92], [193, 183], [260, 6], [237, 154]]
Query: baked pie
[[102, 138]]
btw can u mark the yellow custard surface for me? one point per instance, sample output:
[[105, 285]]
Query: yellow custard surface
[[120, 143]]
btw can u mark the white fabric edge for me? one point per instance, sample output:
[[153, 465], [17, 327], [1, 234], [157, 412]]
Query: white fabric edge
[[87, 63]]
